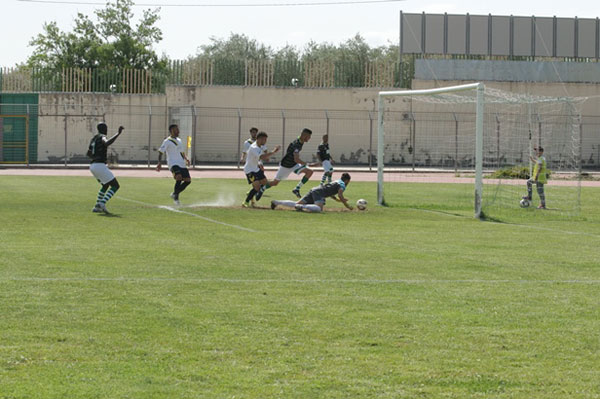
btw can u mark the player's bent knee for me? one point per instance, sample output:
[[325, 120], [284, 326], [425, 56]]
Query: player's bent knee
[[114, 184]]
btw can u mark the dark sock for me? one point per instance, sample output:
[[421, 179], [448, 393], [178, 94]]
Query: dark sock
[[250, 194], [184, 185], [177, 188]]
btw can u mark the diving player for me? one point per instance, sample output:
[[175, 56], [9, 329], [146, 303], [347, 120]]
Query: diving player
[[314, 201]]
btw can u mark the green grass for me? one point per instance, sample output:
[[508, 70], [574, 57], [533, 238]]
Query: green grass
[[418, 300]]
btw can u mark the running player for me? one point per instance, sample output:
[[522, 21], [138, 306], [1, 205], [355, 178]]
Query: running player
[[539, 178], [314, 201], [247, 144], [97, 151], [254, 173], [291, 162], [176, 160], [325, 158]]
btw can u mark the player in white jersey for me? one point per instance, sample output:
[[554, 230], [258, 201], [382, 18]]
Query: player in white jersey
[[254, 173], [176, 160], [247, 144]]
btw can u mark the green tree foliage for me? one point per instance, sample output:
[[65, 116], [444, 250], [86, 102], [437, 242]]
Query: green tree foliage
[[241, 47], [236, 47], [110, 41]]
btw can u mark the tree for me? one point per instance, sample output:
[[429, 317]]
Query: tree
[[111, 41], [236, 47]]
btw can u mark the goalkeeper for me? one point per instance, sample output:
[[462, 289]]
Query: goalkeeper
[[539, 178], [314, 200]]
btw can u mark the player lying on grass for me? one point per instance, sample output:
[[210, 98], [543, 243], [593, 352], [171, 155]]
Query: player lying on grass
[[254, 173], [314, 201], [176, 160], [97, 151]]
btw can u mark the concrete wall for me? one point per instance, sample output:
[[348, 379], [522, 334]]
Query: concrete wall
[[226, 113], [222, 116], [59, 140]]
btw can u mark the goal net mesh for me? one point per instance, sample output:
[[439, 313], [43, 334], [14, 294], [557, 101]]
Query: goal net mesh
[[436, 134]]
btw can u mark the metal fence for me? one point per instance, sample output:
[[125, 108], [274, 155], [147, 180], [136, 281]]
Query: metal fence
[[64, 132], [205, 72]]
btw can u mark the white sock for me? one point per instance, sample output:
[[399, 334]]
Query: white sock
[[312, 208], [289, 203]]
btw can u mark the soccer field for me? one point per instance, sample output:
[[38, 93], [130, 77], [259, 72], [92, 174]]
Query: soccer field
[[418, 300]]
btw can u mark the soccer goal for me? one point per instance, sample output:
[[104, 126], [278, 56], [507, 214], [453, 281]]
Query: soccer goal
[[472, 133]]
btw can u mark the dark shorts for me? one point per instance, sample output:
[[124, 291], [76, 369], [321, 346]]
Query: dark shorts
[[255, 176], [312, 198], [178, 170]]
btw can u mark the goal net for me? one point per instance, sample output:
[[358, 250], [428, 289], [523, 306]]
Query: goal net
[[482, 137]]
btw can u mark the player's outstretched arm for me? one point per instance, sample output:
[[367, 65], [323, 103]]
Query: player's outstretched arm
[[343, 199], [266, 156], [113, 138]]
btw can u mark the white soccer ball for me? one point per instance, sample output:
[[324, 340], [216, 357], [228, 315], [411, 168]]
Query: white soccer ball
[[361, 204], [524, 203]]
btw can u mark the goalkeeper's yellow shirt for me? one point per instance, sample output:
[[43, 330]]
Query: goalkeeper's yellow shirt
[[540, 164]]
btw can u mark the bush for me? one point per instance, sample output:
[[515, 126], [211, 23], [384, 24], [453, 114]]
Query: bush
[[514, 172]]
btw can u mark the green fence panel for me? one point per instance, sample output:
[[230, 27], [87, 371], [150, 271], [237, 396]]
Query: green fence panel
[[13, 129]]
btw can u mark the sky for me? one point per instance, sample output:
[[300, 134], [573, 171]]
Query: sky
[[185, 29]]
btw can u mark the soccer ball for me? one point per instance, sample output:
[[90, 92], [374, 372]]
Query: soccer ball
[[524, 203], [361, 204]]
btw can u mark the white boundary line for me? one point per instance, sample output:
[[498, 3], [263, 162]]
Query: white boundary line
[[290, 281], [171, 209]]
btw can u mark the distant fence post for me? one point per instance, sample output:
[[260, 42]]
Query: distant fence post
[[370, 141], [193, 136], [65, 135], [239, 151], [149, 133], [283, 130]]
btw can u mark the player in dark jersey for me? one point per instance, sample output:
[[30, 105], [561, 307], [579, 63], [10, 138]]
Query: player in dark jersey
[[97, 151], [291, 162], [325, 159], [314, 200]]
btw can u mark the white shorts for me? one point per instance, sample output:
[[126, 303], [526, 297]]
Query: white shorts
[[101, 172], [327, 166], [284, 172]]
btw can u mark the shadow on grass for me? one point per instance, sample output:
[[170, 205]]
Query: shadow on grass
[[110, 215]]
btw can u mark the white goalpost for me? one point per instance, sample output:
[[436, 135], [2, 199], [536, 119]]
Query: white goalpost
[[471, 129]]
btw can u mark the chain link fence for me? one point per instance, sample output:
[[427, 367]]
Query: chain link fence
[[60, 134]]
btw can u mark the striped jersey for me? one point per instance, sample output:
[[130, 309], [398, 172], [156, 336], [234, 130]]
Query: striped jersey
[[174, 149], [288, 160], [323, 152], [98, 148]]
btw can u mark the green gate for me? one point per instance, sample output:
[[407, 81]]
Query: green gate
[[18, 128]]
